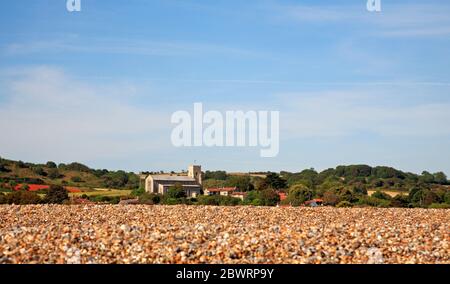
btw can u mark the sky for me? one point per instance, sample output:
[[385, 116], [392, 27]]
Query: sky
[[99, 86]]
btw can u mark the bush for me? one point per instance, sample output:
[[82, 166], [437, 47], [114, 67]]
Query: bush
[[330, 198], [373, 201], [149, 198], [24, 187], [400, 200], [381, 195], [105, 199], [76, 179], [447, 197], [218, 200], [39, 171], [53, 173], [344, 204], [137, 191], [171, 201], [439, 206], [22, 198], [3, 199], [56, 195]]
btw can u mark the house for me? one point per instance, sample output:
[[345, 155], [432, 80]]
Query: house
[[225, 191], [238, 194], [160, 183]]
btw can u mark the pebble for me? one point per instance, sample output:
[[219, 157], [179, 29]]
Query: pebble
[[206, 234]]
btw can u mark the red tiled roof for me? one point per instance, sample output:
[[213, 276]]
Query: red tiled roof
[[282, 196], [317, 200]]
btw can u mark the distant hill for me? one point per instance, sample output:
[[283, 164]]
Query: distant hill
[[73, 174]]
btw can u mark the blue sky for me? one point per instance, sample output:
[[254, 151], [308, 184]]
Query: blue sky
[[99, 86]]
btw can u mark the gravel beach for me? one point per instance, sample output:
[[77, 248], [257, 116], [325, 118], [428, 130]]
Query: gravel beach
[[206, 234]]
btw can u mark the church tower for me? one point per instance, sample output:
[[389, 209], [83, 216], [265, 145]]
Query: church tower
[[195, 172]]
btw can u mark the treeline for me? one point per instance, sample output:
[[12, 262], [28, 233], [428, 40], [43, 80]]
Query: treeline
[[76, 174], [341, 186]]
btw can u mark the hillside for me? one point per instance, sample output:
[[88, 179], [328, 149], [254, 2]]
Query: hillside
[[73, 174]]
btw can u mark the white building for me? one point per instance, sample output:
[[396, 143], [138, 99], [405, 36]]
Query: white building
[[192, 183]]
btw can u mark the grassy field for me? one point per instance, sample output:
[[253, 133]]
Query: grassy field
[[109, 192]]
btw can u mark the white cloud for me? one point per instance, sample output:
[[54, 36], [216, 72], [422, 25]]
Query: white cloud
[[395, 20], [47, 114], [334, 114]]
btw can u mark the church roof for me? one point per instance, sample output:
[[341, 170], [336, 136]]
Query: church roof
[[172, 178]]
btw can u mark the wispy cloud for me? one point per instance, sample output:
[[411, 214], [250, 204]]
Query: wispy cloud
[[47, 114], [352, 112], [395, 20], [128, 47]]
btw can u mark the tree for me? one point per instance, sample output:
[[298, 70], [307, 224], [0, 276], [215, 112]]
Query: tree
[[76, 179], [298, 194], [176, 192], [400, 200], [426, 177], [39, 171], [447, 197], [209, 183], [274, 181], [241, 182], [51, 165], [358, 189], [218, 175], [440, 178], [56, 195], [330, 198], [269, 197], [53, 173]]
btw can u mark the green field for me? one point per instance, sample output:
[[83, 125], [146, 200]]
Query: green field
[[110, 192]]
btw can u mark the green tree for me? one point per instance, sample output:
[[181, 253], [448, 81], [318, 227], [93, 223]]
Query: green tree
[[298, 194], [176, 192], [269, 197], [440, 178], [426, 177], [51, 165], [273, 180], [76, 179], [241, 182], [39, 171]]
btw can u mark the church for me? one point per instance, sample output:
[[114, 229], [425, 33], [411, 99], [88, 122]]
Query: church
[[192, 183]]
